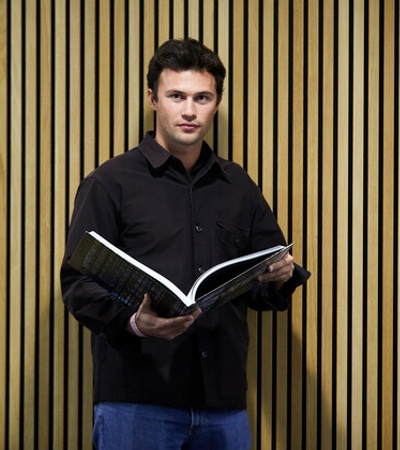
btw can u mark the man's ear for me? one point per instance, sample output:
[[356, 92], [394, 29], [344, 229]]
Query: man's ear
[[217, 107], [151, 98]]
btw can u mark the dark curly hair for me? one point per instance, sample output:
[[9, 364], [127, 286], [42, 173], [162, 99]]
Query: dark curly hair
[[185, 54]]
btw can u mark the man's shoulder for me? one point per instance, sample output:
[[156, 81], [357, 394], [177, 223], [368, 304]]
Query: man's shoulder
[[116, 169], [227, 163], [122, 160], [232, 168]]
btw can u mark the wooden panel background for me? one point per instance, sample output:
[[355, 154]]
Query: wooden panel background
[[311, 110]]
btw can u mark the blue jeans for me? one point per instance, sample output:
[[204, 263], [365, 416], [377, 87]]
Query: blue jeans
[[131, 426]]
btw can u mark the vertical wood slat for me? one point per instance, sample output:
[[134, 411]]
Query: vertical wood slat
[[372, 224], [147, 52], [342, 230], [30, 213], [44, 229], [134, 74], [73, 143], [208, 32], [4, 179], [224, 27], [310, 109], [388, 300], [103, 94], [237, 77], [119, 93], [266, 421], [281, 187], [89, 85], [327, 222], [357, 250], [312, 170], [88, 141], [297, 361], [60, 203], [15, 260]]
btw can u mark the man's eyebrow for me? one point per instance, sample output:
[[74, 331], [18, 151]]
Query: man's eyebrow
[[174, 91], [205, 93], [177, 91]]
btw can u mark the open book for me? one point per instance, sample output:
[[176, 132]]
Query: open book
[[128, 279]]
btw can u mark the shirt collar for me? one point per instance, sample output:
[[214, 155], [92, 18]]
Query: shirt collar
[[157, 156]]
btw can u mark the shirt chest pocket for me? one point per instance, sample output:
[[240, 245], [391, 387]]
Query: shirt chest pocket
[[234, 241]]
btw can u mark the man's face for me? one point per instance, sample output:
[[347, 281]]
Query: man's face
[[186, 105]]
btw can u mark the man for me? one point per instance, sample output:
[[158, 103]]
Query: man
[[173, 205]]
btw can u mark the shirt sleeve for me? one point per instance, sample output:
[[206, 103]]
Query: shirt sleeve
[[267, 233], [265, 297], [89, 302]]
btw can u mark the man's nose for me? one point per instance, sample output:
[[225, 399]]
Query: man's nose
[[189, 109]]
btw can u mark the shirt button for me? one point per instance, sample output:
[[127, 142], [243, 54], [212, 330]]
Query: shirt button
[[204, 354], [199, 228], [238, 242], [200, 269]]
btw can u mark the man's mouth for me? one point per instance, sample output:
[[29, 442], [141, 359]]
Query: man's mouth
[[188, 126]]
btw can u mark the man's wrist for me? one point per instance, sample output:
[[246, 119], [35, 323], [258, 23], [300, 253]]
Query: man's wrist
[[134, 327]]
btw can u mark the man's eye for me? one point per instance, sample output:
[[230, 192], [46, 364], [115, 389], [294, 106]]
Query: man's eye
[[176, 96], [203, 98]]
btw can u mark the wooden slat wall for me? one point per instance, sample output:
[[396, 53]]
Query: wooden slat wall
[[311, 110]]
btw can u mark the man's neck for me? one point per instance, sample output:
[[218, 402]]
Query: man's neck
[[187, 155]]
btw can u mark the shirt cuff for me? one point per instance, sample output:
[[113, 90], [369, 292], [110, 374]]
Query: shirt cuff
[[300, 276]]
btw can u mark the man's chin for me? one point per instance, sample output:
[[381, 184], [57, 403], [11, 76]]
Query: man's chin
[[189, 139]]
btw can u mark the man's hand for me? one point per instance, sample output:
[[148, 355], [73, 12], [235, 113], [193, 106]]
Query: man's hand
[[151, 324], [279, 272]]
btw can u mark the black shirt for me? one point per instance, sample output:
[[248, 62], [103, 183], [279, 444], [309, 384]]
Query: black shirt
[[179, 224]]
